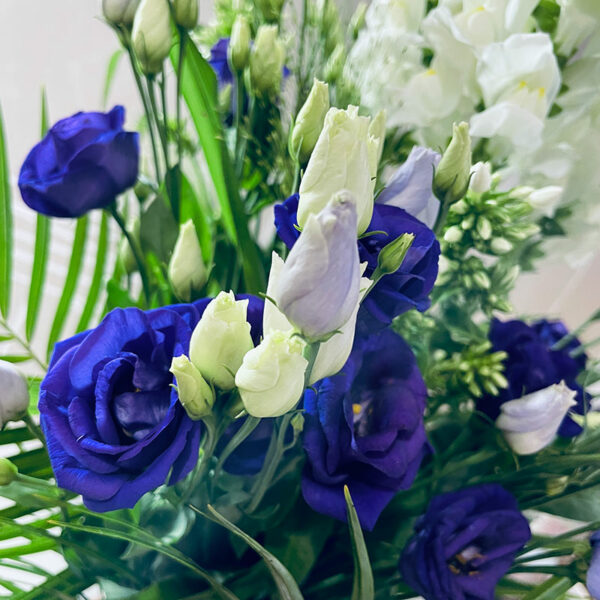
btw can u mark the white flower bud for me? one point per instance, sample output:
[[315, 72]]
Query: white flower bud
[[221, 339], [186, 13], [271, 378], [501, 246], [187, 271], [266, 60], [239, 44], [530, 423], [451, 178], [481, 178], [120, 12], [453, 234], [344, 158], [335, 64], [545, 200], [151, 35], [309, 121], [195, 395], [319, 283], [484, 228], [14, 396]]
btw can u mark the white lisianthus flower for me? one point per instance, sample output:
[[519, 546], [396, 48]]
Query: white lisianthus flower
[[221, 339], [14, 399], [519, 79], [319, 283], [187, 271], [481, 177], [195, 395], [120, 12], [344, 158], [530, 423], [271, 378], [151, 34]]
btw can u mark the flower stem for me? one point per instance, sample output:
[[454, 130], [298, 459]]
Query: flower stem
[[22, 342], [34, 428], [135, 251], [182, 41]]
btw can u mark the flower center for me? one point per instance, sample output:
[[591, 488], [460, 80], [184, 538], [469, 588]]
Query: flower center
[[462, 563]]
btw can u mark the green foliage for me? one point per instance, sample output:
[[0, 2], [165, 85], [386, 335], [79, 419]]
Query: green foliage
[[5, 228]]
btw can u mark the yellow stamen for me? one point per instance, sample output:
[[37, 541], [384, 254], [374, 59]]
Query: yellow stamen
[[430, 72], [356, 409]]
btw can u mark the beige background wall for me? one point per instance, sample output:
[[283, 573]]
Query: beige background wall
[[64, 46]]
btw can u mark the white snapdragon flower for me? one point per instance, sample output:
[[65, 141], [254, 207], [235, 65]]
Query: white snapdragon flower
[[519, 79]]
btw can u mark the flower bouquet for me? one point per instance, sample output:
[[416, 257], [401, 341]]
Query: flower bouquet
[[295, 371]]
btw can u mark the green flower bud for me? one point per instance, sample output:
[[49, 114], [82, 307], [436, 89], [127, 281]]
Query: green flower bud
[[453, 234], [151, 35], [460, 207], [224, 98], [357, 22], [239, 45], [119, 12], [501, 246], [8, 471], [481, 280], [195, 395], [335, 64], [271, 9], [451, 179], [391, 256], [186, 13], [309, 122], [187, 271], [266, 60], [484, 228]]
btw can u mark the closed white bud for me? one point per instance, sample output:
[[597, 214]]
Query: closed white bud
[[453, 234], [271, 378], [186, 13], [309, 121], [484, 228], [266, 60], [14, 395], [151, 35], [481, 178], [545, 200], [221, 339], [120, 12], [531, 423], [239, 43], [187, 271], [195, 395], [501, 246]]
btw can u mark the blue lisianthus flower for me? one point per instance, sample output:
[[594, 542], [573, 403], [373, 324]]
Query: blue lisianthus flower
[[84, 162], [394, 294], [114, 426], [532, 364], [218, 61], [364, 429], [592, 581], [464, 544]]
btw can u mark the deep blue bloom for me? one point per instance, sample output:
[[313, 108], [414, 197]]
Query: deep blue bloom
[[218, 61], [532, 364], [114, 426], [464, 544], [394, 294], [593, 575], [84, 162], [364, 429]]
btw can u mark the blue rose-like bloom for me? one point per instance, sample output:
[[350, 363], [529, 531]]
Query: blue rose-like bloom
[[84, 162], [464, 544], [112, 420], [364, 429], [532, 364], [394, 294]]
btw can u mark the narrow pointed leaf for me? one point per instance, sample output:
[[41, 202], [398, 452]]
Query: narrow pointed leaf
[[553, 589], [111, 70], [5, 227], [96, 284], [286, 585], [363, 587], [70, 283], [38, 273]]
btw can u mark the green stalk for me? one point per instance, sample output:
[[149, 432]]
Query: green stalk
[[134, 249], [182, 40]]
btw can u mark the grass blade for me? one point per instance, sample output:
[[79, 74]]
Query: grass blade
[[5, 227], [38, 273], [70, 283], [364, 586], [111, 70], [96, 284]]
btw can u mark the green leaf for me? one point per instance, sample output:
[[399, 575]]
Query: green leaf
[[63, 583], [5, 227], [70, 284], [158, 229], [38, 545], [286, 585], [190, 209], [550, 590], [38, 273], [96, 284], [15, 358], [199, 88], [364, 586], [111, 69], [580, 506]]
